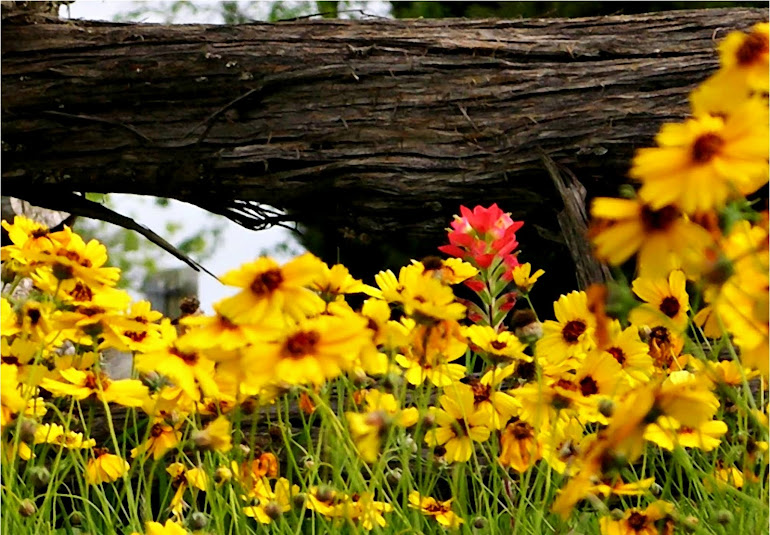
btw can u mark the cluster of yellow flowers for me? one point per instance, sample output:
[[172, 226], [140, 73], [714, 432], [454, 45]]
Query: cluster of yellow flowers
[[584, 393]]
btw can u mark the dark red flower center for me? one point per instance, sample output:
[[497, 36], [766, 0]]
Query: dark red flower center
[[657, 220], [572, 331], [522, 430], [637, 521], [265, 283], [588, 386], [670, 306], [752, 49], [189, 358], [706, 147], [81, 292], [617, 354], [497, 345], [301, 344], [480, 392], [135, 336]]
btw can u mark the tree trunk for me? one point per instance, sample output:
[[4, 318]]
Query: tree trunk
[[378, 129]]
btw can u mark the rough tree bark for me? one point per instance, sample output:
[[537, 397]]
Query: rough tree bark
[[376, 130]]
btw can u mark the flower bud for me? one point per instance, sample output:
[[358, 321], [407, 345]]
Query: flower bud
[[690, 523], [724, 517], [27, 508], [393, 476], [76, 518], [198, 520], [27, 431], [606, 407], [39, 476], [325, 493], [479, 522], [222, 474], [616, 514], [526, 327], [299, 500], [273, 510]]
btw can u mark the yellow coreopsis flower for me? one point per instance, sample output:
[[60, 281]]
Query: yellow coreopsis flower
[[376, 400], [667, 433], [55, 434], [8, 321], [272, 503], [430, 352], [76, 259], [311, 351], [11, 400], [458, 425], [364, 511], [701, 163], [336, 281], [571, 335], [271, 292], [187, 367], [688, 398], [499, 406], [523, 277], [162, 438], [441, 511], [169, 528], [638, 522], [625, 346], [519, 448], [217, 436], [449, 271], [661, 237], [666, 302], [427, 299], [366, 430], [744, 59], [502, 344], [182, 478], [81, 384], [105, 467]]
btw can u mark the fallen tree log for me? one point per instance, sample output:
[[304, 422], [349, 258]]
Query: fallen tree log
[[371, 131]]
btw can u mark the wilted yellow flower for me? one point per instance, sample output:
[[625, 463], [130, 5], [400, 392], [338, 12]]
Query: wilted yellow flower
[[105, 467], [519, 448], [162, 437]]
